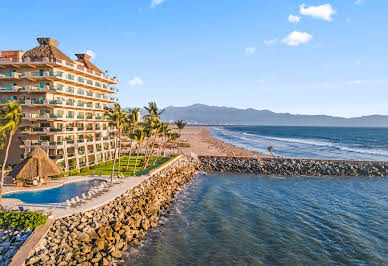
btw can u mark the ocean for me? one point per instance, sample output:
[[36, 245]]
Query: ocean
[[309, 142], [242, 219]]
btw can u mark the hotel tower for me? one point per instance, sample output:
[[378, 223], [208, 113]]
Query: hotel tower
[[62, 104]]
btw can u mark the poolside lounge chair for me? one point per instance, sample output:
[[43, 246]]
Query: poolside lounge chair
[[90, 194], [74, 203], [68, 203], [84, 197], [78, 200]]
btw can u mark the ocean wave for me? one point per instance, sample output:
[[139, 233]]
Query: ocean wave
[[283, 147]]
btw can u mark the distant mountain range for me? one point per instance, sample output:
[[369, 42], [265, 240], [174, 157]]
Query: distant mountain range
[[200, 114]]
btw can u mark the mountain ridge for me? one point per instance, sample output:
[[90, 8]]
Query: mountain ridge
[[201, 114]]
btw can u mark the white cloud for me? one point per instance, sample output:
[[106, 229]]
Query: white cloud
[[296, 38], [324, 12], [358, 2], [348, 20], [270, 42], [136, 81], [91, 53], [250, 50], [354, 82], [293, 19], [155, 3]]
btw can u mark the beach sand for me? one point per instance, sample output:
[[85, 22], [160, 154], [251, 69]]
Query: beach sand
[[202, 143]]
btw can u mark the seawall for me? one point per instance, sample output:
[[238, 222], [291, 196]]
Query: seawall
[[293, 167], [98, 236]]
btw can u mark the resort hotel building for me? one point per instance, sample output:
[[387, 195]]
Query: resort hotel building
[[62, 103]]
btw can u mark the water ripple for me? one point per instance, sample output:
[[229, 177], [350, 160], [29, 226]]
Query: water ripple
[[257, 220]]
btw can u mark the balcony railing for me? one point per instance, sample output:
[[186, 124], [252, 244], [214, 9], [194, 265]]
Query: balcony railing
[[56, 61]]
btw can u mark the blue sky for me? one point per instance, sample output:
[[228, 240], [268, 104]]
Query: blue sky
[[329, 57]]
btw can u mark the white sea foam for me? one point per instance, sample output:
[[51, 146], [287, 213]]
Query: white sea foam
[[281, 143]]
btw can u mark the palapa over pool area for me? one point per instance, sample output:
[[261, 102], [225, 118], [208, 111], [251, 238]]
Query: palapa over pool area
[[35, 167]]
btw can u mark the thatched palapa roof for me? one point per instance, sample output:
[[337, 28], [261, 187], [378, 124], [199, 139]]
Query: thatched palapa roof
[[84, 59], [37, 164], [47, 48]]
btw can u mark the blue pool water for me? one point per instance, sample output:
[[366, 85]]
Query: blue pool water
[[55, 195]]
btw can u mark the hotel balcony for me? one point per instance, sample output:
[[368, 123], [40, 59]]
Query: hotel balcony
[[55, 131], [59, 104], [46, 62], [61, 90], [56, 76]]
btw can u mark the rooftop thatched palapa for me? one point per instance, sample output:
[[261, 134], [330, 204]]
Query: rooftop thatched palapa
[[47, 48], [36, 166]]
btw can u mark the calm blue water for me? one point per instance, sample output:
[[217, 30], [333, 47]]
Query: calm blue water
[[55, 195], [310, 142], [256, 220]]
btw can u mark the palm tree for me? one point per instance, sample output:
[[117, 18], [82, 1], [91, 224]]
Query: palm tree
[[153, 127], [10, 120], [163, 130], [116, 118], [173, 137], [133, 119], [270, 149], [153, 110], [138, 136], [181, 125]]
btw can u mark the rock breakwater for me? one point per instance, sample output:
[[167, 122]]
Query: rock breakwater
[[294, 167], [98, 236], [11, 239]]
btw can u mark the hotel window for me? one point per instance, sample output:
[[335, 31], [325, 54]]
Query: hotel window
[[89, 82], [80, 79], [70, 77]]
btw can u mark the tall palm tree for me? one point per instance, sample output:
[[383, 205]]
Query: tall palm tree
[[153, 127], [163, 130], [116, 118], [138, 136], [10, 120], [153, 110], [181, 125], [173, 137], [133, 120]]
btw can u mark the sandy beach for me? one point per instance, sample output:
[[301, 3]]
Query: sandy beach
[[202, 143]]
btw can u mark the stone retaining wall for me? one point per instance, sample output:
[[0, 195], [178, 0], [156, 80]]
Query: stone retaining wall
[[99, 236], [294, 167]]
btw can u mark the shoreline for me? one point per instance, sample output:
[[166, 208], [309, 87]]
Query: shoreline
[[204, 144]]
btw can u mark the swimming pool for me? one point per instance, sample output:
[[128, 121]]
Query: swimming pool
[[55, 195]]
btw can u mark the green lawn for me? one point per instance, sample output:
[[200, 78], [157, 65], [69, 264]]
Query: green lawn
[[107, 169]]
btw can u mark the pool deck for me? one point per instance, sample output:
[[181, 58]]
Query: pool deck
[[57, 210]]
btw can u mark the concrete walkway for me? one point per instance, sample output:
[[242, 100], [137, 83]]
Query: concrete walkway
[[62, 211]]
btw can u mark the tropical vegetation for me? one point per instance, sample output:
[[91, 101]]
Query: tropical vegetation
[[21, 220], [10, 120]]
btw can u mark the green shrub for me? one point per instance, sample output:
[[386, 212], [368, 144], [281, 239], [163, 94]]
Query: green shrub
[[184, 144], [21, 220], [85, 169], [74, 172]]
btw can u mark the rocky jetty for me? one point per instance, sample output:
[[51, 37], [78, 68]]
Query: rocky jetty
[[98, 236], [11, 239], [294, 167]]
